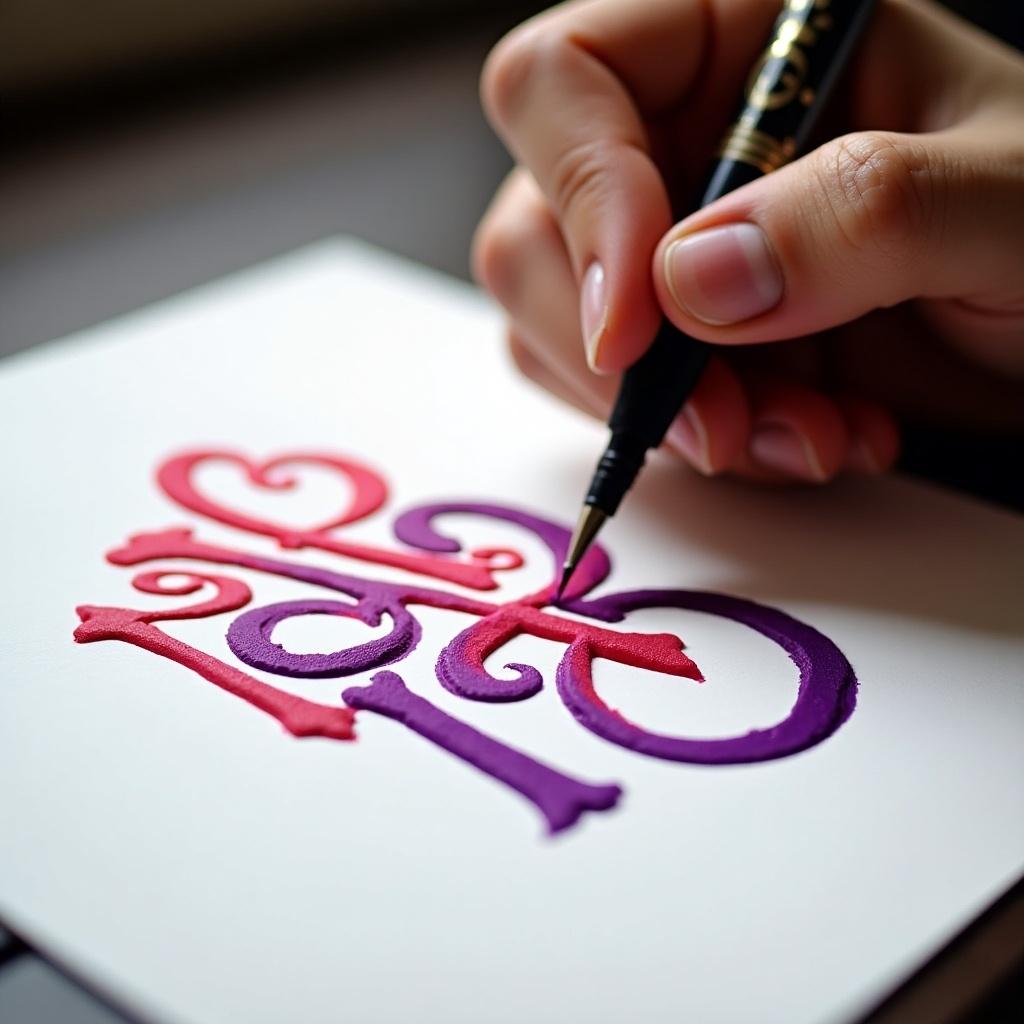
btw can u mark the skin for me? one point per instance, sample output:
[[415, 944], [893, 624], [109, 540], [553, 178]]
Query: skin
[[899, 243]]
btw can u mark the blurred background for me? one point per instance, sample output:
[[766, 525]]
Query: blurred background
[[151, 146]]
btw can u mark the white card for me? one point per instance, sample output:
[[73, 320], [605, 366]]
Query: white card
[[172, 842]]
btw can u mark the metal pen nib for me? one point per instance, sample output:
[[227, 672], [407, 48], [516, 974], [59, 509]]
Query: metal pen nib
[[591, 520]]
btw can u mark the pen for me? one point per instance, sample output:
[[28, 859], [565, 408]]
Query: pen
[[809, 45]]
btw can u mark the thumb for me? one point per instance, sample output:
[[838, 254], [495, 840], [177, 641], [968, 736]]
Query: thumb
[[868, 220]]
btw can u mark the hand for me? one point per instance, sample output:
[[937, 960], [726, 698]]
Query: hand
[[894, 253]]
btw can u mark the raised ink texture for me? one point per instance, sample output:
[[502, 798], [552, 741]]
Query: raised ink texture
[[369, 493], [826, 691], [299, 716], [560, 798]]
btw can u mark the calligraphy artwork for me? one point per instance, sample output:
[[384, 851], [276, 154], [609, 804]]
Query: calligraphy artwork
[[826, 685]]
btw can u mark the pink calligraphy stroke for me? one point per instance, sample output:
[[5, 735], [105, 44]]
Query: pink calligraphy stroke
[[369, 492], [826, 686], [299, 716]]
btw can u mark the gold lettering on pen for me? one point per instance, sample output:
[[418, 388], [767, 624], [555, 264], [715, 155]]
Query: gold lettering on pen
[[768, 89], [776, 81]]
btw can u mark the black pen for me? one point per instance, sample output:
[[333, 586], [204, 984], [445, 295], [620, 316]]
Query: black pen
[[790, 83]]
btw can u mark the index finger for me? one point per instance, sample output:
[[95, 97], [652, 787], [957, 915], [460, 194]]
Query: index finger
[[569, 93]]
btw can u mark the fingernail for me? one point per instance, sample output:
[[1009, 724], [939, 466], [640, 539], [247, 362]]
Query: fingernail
[[723, 275], [785, 451], [688, 436], [593, 313], [862, 459]]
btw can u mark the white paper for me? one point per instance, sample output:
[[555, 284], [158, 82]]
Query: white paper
[[178, 848]]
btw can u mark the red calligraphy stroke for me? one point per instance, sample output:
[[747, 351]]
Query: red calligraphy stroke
[[461, 665], [175, 477], [133, 626]]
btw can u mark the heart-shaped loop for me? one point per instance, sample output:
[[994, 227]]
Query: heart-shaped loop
[[175, 477], [369, 493]]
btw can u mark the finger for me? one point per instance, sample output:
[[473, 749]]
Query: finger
[[876, 217], [989, 338], [796, 433], [922, 68], [713, 428], [517, 224], [874, 441], [520, 257], [561, 93], [533, 369], [866, 221], [895, 358]]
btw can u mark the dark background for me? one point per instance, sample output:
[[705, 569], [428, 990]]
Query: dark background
[[153, 147], [150, 148]]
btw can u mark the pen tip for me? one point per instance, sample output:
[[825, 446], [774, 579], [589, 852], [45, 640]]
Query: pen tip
[[591, 520], [567, 570]]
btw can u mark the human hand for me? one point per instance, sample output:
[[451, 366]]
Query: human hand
[[893, 253]]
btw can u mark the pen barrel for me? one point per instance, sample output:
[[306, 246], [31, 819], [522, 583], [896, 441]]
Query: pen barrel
[[789, 85], [787, 88], [655, 387], [650, 396]]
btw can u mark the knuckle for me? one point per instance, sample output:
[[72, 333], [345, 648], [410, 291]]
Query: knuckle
[[504, 246], [881, 194], [480, 253], [495, 259], [579, 177], [524, 78], [507, 70]]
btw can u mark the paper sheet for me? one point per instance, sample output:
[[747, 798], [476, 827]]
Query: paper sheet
[[175, 845]]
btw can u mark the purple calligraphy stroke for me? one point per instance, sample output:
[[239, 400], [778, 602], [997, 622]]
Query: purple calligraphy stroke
[[176, 477], [460, 666], [133, 626], [416, 528], [560, 798], [826, 687]]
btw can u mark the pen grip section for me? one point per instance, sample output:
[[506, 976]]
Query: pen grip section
[[651, 394], [655, 387], [616, 470]]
